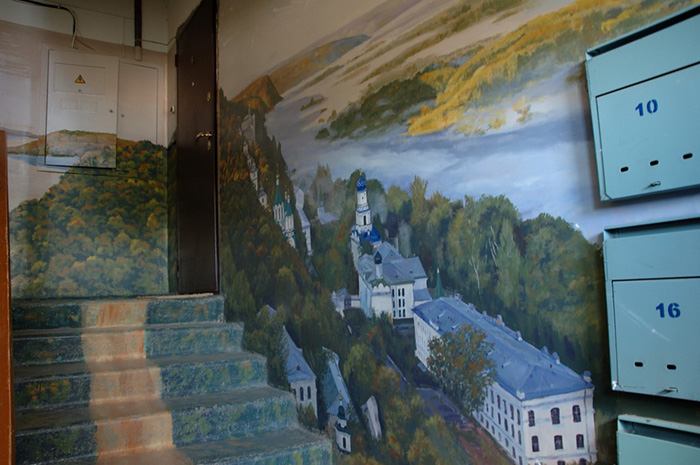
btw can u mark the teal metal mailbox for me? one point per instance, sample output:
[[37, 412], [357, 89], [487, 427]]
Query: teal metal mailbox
[[645, 440], [644, 95], [652, 274]]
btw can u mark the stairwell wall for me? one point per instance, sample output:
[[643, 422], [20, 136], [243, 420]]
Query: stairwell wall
[[82, 232]]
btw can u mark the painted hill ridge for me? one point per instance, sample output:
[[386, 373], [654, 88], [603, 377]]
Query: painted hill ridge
[[66, 142], [528, 53], [37, 147], [306, 63], [261, 95]]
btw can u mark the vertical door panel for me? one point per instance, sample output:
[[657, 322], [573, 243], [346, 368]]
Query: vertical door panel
[[196, 153]]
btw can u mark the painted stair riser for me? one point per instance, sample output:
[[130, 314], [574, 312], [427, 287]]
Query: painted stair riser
[[92, 440], [304, 451], [306, 456], [198, 425], [309, 455], [31, 448], [80, 389], [132, 344], [205, 309], [156, 431], [135, 312], [287, 446]]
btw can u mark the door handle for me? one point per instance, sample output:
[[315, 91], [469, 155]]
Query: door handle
[[203, 134]]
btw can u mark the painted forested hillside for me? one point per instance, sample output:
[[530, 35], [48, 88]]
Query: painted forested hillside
[[95, 235], [261, 269]]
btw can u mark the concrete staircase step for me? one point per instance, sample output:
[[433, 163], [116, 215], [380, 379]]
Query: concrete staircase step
[[152, 424], [79, 384], [283, 447], [158, 380], [280, 447], [49, 346], [47, 314]]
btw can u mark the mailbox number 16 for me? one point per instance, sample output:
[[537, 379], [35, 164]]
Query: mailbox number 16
[[652, 106], [673, 310]]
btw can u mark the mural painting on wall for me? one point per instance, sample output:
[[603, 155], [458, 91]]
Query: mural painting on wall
[[412, 178], [88, 234], [87, 180]]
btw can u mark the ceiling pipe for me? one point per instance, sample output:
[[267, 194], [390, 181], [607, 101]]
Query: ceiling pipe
[[138, 20]]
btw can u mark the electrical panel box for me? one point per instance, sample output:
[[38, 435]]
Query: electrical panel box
[[652, 274], [644, 95], [81, 116], [645, 440]]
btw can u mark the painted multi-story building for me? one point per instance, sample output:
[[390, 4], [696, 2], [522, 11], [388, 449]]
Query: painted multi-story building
[[391, 284], [539, 410]]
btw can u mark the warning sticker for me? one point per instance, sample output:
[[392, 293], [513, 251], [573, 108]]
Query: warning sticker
[[79, 79]]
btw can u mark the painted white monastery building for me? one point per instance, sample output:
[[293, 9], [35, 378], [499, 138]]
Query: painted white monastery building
[[540, 411], [389, 283]]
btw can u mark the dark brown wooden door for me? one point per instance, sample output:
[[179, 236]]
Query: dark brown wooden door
[[196, 153]]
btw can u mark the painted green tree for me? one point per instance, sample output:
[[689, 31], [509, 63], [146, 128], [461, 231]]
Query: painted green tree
[[460, 362]]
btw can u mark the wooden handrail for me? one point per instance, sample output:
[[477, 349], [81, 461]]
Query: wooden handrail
[[6, 386]]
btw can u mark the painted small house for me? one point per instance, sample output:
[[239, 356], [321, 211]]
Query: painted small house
[[302, 379]]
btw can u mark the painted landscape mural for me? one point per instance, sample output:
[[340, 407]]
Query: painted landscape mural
[[91, 235], [88, 198], [410, 185]]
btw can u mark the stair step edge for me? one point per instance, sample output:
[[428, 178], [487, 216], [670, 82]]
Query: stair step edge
[[42, 347], [51, 386], [53, 419], [46, 314], [304, 441]]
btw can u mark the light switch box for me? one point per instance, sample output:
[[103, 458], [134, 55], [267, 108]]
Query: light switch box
[[652, 273], [646, 440], [644, 95]]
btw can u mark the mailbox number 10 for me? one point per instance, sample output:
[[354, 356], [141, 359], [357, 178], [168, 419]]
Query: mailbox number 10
[[652, 106], [673, 310]]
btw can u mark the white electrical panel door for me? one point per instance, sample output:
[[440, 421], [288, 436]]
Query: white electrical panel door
[[138, 102], [81, 116]]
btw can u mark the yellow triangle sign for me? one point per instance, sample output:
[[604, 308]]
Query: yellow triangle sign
[[79, 79]]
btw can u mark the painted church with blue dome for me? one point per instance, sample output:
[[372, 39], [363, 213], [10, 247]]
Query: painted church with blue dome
[[389, 283], [363, 230]]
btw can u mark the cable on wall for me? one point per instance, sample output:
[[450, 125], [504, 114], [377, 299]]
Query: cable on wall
[[58, 7]]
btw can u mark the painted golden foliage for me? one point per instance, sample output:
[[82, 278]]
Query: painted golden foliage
[[536, 47]]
